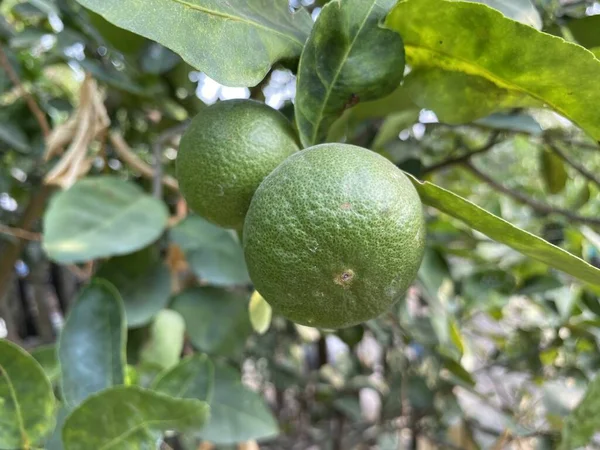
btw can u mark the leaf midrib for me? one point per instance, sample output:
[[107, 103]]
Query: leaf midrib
[[238, 19], [337, 74], [481, 71], [19, 414]]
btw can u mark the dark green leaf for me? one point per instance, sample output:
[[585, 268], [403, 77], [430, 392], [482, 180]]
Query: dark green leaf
[[553, 170], [504, 232], [165, 342], [157, 59], [26, 399], [13, 136], [237, 413], [193, 377], [213, 253], [216, 320], [348, 58], [100, 217], [234, 42], [143, 281], [48, 359], [91, 346], [585, 30], [582, 423], [130, 418], [471, 38]]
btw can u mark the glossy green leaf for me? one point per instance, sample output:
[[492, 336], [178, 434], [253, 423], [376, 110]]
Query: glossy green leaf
[[521, 10], [99, 217], [216, 320], [130, 418], [48, 359], [504, 232], [471, 38], [26, 399], [234, 42], [165, 342], [193, 377], [348, 58], [91, 346], [582, 423], [237, 414], [143, 281], [214, 254], [554, 174], [260, 313]]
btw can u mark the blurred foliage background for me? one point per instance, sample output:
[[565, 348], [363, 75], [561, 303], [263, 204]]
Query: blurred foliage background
[[489, 349]]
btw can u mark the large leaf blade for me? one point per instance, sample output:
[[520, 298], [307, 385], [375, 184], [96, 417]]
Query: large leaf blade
[[99, 217], [26, 399], [504, 232], [471, 38], [131, 417], [234, 42], [91, 347], [348, 58]]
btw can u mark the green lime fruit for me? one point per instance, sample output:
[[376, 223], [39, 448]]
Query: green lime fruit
[[225, 153], [334, 236]]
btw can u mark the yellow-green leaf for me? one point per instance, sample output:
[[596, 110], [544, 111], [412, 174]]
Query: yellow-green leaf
[[260, 313], [553, 170], [504, 232], [477, 40]]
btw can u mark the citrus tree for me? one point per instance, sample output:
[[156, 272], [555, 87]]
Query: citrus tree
[[340, 224]]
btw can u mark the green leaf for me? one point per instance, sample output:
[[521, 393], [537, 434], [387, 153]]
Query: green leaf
[[553, 170], [143, 281], [520, 123], [48, 359], [234, 42], [504, 232], [582, 423], [260, 313], [216, 320], [13, 136], [55, 440], [193, 377], [26, 399], [214, 253], [471, 38], [237, 413], [348, 58], [393, 125], [165, 343], [585, 30], [91, 346], [100, 217], [130, 418], [521, 10]]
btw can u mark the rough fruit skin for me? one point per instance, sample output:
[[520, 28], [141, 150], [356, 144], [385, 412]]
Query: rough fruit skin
[[334, 236], [225, 153]]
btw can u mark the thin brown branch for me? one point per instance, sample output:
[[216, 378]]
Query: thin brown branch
[[20, 233], [132, 160], [537, 206], [31, 103], [574, 164], [491, 142]]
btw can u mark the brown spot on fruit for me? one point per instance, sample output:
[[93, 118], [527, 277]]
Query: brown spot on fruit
[[345, 278], [346, 206]]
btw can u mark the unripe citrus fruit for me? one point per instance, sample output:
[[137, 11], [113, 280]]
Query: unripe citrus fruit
[[334, 236], [225, 153]]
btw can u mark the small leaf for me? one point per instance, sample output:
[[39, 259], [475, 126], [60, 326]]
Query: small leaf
[[91, 346], [48, 359], [213, 253], [130, 417], [100, 217], [580, 426], [504, 232], [143, 281], [165, 343], [260, 313], [216, 320], [553, 170], [470, 38], [237, 413], [26, 399], [193, 377], [348, 58], [235, 42]]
